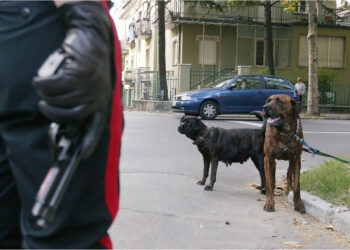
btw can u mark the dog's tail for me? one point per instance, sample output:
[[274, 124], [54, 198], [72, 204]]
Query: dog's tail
[[263, 127], [261, 116]]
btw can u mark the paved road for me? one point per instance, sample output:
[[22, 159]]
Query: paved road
[[162, 207]]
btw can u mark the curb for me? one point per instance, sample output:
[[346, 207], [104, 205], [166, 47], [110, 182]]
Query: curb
[[326, 117], [325, 212]]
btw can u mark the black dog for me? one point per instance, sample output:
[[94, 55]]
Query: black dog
[[226, 145]]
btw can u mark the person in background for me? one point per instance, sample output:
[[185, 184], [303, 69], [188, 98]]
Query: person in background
[[300, 86], [85, 90]]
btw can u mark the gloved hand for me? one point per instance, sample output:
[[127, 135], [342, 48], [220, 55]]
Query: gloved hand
[[75, 84]]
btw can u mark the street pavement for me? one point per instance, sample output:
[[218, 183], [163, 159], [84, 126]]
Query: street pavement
[[161, 205]]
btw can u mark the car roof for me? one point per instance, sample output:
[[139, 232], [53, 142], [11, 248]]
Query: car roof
[[262, 75]]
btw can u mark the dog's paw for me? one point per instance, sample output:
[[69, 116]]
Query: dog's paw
[[299, 207], [201, 182], [269, 206], [208, 188]]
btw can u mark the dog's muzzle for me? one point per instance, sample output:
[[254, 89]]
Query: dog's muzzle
[[273, 120]]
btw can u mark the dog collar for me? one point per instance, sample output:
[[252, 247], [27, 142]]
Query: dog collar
[[296, 136]]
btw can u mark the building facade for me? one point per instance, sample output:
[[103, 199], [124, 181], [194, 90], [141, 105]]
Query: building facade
[[204, 44]]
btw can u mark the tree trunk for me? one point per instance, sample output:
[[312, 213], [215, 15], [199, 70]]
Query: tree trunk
[[268, 37], [161, 49], [312, 97]]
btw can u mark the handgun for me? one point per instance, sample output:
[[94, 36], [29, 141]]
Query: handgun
[[66, 148]]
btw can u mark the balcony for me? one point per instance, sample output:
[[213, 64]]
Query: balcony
[[129, 76], [183, 12], [143, 29]]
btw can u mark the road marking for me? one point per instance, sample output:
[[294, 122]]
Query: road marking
[[305, 132], [248, 123]]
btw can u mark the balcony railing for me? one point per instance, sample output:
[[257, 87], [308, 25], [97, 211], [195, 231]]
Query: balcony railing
[[187, 12], [125, 3], [143, 29]]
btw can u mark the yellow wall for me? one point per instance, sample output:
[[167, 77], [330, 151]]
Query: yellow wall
[[190, 48], [295, 70]]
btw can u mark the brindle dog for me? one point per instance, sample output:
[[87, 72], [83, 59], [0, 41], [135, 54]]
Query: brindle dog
[[226, 145], [281, 142]]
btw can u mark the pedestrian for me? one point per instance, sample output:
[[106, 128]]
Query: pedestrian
[[84, 90], [300, 86]]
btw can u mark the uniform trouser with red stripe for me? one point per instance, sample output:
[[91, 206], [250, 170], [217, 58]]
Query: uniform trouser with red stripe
[[29, 32]]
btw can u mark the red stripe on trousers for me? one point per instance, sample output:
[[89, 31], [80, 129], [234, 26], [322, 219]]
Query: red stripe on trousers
[[116, 124], [106, 242]]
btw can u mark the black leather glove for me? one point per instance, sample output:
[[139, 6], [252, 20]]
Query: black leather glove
[[75, 82]]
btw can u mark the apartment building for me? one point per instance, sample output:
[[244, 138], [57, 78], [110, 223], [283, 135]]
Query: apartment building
[[204, 44]]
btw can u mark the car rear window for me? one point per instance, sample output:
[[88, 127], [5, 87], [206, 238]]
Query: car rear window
[[247, 82], [276, 83]]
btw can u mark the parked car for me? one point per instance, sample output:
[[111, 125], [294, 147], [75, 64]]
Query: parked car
[[242, 94]]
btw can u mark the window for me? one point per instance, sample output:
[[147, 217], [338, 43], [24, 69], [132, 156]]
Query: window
[[302, 7], [174, 53], [330, 51], [148, 64], [276, 83], [131, 32], [282, 52], [249, 82], [138, 43], [259, 56], [207, 52]]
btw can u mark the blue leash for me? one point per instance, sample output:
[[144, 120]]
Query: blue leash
[[318, 152]]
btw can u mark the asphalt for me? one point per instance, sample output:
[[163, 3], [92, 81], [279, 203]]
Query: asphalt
[[323, 211], [162, 207]]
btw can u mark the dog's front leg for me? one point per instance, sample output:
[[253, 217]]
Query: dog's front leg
[[205, 171], [268, 165], [298, 204], [214, 166], [290, 174]]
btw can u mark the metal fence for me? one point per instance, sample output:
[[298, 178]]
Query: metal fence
[[209, 77], [336, 95], [147, 86]]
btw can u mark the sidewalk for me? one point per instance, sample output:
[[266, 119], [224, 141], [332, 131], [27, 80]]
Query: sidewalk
[[327, 116]]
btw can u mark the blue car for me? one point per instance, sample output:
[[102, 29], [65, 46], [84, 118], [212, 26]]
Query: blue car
[[241, 95]]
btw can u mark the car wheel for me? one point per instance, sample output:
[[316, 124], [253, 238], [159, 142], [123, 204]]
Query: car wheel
[[208, 110]]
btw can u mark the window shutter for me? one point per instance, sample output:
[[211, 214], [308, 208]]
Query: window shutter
[[323, 44], [209, 52], [336, 52], [303, 51]]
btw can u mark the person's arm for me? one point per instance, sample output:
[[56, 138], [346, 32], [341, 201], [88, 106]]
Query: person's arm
[[79, 92]]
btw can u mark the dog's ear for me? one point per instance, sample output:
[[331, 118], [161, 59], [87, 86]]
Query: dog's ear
[[296, 106]]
